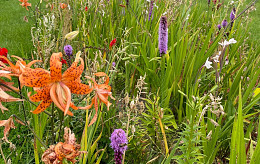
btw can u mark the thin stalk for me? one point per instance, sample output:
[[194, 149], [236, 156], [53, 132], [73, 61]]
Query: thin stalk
[[20, 92], [30, 130], [61, 123], [23, 97], [52, 123], [127, 127], [2, 153]]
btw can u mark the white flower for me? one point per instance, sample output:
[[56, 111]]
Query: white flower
[[232, 41], [215, 58], [155, 6], [225, 43], [149, 1], [164, 13], [231, 2], [187, 16], [208, 64]]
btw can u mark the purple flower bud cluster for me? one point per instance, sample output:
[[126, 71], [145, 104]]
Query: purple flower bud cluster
[[232, 14], [118, 157], [119, 144], [150, 10], [224, 23], [208, 2], [219, 27], [68, 50], [163, 35]]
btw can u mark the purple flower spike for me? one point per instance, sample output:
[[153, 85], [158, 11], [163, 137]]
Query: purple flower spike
[[163, 35], [232, 14], [119, 144], [113, 64], [150, 10], [68, 50], [219, 27], [208, 2], [224, 23]]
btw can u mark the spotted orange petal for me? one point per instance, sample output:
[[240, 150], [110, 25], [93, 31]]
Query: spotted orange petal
[[42, 106], [74, 71], [42, 94], [79, 88], [55, 66], [34, 77]]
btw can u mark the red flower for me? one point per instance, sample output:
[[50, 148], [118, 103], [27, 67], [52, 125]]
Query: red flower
[[3, 52], [112, 43], [86, 8], [63, 61]]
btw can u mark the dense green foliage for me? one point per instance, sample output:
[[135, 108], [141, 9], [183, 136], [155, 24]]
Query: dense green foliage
[[171, 106]]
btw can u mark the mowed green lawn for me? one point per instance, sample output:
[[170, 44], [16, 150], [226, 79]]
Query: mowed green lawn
[[15, 33]]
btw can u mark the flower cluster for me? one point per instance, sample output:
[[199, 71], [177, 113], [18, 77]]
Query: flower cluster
[[163, 35], [119, 144], [25, 4], [68, 150]]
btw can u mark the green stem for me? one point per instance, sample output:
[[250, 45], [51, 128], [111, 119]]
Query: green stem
[[61, 123], [2, 153], [52, 123], [20, 92]]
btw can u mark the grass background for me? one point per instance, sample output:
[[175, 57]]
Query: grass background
[[15, 33]]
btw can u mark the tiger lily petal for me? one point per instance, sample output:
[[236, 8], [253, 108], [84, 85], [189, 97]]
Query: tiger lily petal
[[55, 86], [102, 91], [4, 97]]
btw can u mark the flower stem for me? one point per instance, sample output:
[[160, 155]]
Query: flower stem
[[61, 123], [20, 92], [2, 153], [52, 123]]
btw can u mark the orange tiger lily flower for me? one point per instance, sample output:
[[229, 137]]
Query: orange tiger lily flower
[[55, 86], [25, 4], [8, 124], [15, 69], [68, 150], [102, 91], [4, 97]]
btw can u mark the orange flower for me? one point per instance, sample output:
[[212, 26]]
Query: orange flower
[[4, 97], [68, 150], [15, 69], [25, 4], [63, 5], [8, 124], [55, 87], [102, 91]]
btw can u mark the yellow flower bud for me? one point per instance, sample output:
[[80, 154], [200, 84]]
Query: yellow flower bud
[[71, 35]]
